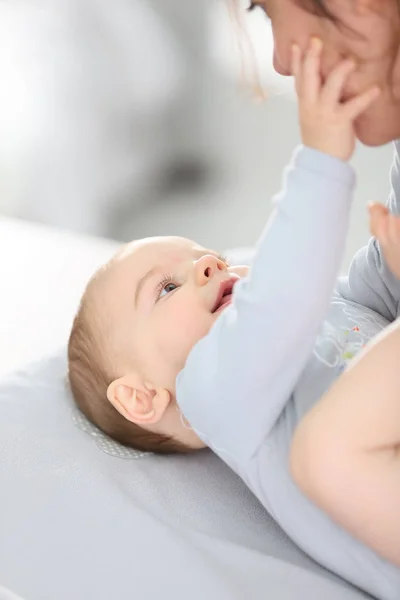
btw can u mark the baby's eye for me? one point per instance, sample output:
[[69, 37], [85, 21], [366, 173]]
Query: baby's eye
[[166, 289]]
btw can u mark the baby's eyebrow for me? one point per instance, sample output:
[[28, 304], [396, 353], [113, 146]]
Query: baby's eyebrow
[[221, 257], [205, 251], [141, 283]]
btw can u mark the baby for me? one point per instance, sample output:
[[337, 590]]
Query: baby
[[173, 349]]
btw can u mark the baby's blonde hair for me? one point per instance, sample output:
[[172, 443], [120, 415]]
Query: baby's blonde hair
[[90, 372]]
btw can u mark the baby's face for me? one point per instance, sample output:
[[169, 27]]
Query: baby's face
[[163, 296]]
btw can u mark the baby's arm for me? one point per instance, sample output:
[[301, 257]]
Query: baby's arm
[[374, 276], [238, 378]]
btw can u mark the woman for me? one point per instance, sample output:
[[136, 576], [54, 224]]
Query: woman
[[346, 452], [368, 30]]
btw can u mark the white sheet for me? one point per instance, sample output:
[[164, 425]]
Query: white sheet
[[42, 274], [82, 517]]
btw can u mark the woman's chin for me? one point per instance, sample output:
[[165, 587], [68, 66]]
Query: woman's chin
[[370, 136], [378, 127]]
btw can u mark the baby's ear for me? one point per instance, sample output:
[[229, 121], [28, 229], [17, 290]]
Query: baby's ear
[[138, 403]]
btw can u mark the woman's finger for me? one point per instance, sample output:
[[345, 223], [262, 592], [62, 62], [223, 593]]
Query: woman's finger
[[382, 234], [397, 233], [333, 88], [394, 230], [379, 216], [354, 107]]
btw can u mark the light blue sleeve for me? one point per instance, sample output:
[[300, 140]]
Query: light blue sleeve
[[369, 281], [238, 378]]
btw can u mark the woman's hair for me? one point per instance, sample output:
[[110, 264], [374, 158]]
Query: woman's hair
[[90, 371], [321, 8]]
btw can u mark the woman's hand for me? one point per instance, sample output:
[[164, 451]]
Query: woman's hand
[[386, 228], [327, 123]]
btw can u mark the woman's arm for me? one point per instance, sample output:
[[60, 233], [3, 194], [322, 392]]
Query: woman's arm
[[346, 452], [371, 281]]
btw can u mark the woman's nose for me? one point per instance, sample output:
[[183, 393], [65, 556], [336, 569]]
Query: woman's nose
[[279, 67], [206, 267]]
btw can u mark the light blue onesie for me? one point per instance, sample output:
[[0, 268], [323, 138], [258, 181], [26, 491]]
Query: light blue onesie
[[289, 333]]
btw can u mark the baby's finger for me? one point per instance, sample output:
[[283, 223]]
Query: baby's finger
[[333, 88], [353, 108], [311, 77]]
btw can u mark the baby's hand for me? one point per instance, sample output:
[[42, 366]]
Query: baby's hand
[[326, 123], [386, 228]]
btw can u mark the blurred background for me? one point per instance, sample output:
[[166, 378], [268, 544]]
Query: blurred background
[[132, 118]]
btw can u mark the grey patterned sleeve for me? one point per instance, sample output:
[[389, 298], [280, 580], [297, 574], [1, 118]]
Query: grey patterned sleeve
[[369, 281]]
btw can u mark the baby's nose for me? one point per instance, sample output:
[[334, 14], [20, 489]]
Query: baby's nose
[[206, 267]]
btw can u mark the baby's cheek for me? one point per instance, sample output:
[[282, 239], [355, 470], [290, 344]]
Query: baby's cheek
[[189, 327]]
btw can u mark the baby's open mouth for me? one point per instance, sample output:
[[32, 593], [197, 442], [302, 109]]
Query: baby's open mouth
[[225, 294]]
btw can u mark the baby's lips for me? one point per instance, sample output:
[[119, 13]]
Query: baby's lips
[[225, 288]]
